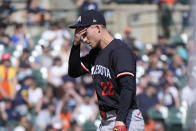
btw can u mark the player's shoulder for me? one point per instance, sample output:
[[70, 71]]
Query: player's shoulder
[[121, 47]]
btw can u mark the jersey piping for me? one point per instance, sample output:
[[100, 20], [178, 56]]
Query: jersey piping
[[125, 73], [84, 68]]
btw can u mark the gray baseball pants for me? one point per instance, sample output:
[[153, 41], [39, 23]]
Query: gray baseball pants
[[134, 121]]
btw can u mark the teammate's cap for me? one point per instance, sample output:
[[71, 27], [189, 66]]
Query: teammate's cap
[[88, 18]]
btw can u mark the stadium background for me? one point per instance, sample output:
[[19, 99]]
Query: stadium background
[[35, 33]]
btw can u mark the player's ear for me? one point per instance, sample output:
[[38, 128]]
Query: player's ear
[[98, 28]]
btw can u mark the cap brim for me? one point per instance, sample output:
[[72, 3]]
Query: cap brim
[[77, 25]]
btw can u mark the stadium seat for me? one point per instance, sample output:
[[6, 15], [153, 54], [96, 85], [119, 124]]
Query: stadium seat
[[126, 1], [32, 116], [10, 50], [174, 121], [11, 124], [174, 116], [184, 1], [177, 40], [182, 83], [36, 39], [38, 77], [89, 126], [154, 114]]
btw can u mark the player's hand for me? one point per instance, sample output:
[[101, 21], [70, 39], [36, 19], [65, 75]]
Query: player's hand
[[78, 36], [119, 126]]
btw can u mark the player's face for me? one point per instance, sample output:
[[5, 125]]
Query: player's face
[[92, 36]]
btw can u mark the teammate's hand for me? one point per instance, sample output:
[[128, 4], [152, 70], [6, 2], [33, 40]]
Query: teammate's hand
[[78, 36], [120, 128]]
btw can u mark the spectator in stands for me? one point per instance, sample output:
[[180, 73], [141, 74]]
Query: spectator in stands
[[64, 53], [3, 115], [168, 76], [65, 117], [34, 93], [158, 126], [63, 36], [21, 38], [86, 81], [142, 84], [8, 79], [191, 48], [75, 126], [154, 70], [4, 38], [169, 96], [46, 117], [35, 13], [45, 59], [164, 45], [55, 74], [165, 17], [50, 35], [188, 92], [53, 127], [84, 5], [22, 103], [158, 51], [24, 66], [86, 109], [68, 83], [24, 124], [10, 111], [128, 39], [178, 67], [47, 98], [148, 98], [5, 11], [149, 123], [57, 35]]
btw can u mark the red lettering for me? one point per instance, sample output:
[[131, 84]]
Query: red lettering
[[107, 88]]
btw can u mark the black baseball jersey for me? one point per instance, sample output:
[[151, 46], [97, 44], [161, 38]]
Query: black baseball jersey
[[107, 66]]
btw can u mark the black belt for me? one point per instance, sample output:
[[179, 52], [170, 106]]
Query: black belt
[[104, 115]]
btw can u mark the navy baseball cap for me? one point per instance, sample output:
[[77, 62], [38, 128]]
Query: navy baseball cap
[[88, 18]]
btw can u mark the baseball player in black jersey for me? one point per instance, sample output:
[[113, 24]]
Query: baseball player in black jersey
[[113, 68]]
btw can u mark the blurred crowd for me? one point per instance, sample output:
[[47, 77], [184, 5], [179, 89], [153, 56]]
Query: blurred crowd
[[36, 94]]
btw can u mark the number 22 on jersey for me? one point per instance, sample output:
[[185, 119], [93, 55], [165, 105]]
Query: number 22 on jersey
[[107, 88]]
